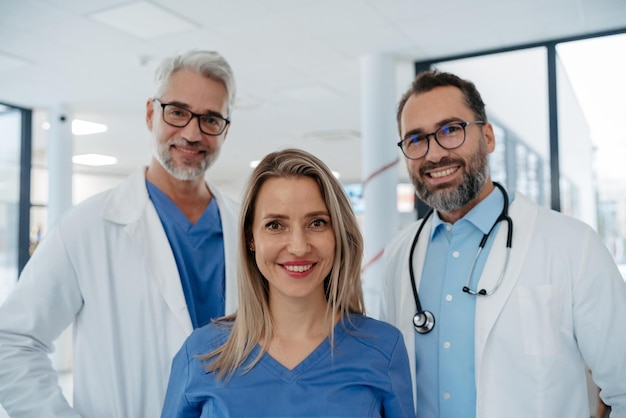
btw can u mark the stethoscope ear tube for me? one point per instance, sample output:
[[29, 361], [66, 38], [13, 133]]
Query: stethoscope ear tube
[[424, 321]]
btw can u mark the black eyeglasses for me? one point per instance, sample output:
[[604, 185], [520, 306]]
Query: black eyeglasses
[[211, 123], [450, 136]]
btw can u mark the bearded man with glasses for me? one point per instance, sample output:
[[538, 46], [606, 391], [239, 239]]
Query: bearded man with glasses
[[501, 302], [135, 268]]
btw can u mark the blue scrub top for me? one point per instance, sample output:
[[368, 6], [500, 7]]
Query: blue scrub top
[[365, 375], [199, 252]]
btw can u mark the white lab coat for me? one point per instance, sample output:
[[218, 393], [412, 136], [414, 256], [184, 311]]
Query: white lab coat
[[108, 269], [562, 304]]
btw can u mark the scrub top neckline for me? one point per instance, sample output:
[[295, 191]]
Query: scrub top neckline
[[320, 352]]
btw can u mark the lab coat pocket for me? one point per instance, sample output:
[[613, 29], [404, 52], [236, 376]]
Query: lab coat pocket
[[539, 320]]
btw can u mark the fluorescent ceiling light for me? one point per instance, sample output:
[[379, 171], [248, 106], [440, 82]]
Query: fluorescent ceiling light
[[83, 127], [143, 19], [94, 159]]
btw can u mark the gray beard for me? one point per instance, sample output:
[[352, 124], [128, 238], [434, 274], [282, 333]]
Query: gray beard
[[449, 200], [164, 157]]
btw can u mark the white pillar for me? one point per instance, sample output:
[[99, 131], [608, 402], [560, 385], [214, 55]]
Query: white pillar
[[380, 160], [59, 150]]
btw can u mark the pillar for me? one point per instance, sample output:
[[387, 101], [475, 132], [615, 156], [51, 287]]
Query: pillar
[[59, 150], [380, 178]]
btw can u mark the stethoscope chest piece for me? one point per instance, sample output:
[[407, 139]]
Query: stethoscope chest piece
[[423, 322]]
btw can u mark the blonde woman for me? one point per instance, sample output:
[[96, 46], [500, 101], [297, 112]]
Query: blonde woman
[[299, 344]]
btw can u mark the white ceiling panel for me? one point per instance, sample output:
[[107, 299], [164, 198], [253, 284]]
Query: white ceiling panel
[[297, 62], [143, 19]]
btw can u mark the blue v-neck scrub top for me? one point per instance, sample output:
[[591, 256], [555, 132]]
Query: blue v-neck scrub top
[[366, 375], [199, 253]]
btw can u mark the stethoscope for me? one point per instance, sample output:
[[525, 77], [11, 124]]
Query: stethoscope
[[424, 321]]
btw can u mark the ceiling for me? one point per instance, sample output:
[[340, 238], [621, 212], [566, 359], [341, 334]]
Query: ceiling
[[296, 62]]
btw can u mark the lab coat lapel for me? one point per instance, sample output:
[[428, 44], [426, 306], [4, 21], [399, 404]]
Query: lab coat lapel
[[130, 206], [406, 299], [228, 214], [488, 308], [162, 264], [418, 264]]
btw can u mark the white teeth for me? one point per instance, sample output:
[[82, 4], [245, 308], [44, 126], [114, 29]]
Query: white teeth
[[437, 174], [299, 269]]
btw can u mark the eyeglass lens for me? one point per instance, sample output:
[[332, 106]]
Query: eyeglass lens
[[448, 137], [180, 117]]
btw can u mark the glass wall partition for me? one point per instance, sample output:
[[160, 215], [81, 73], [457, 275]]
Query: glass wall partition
[[15, 132], [557, 108], [594, 68], [513, 86]]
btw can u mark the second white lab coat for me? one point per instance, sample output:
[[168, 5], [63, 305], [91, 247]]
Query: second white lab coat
[[562, 304], [108, 269]]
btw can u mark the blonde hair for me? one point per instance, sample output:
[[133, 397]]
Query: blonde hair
[[252, 323]]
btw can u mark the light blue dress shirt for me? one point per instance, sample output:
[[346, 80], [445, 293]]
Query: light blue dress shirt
[[445, 357]]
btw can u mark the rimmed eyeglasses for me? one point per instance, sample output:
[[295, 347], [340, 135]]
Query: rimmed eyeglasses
[[450, 136], [211, 123]]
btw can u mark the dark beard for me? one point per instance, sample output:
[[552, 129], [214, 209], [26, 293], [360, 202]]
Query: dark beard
[[473, 181]]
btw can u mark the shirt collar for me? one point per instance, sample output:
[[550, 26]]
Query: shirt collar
[[483, 216]]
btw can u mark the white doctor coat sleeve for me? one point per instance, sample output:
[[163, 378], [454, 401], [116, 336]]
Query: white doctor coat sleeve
[[44, 302], [600, 321]]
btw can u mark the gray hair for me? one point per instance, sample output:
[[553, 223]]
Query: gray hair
[[209, 64]]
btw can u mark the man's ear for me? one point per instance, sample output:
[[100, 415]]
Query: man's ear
[[150, 114], [490, 137]]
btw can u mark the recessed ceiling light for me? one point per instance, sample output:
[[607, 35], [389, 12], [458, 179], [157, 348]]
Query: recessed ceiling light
[[94, 159], [143, 19], [83, 127]]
